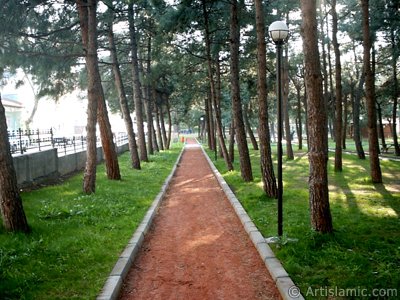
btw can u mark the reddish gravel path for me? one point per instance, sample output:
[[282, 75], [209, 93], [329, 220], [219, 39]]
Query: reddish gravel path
[[197, 247]]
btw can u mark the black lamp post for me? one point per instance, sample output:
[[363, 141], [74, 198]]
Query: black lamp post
[[278, 31], [201, 128], [215, 139]]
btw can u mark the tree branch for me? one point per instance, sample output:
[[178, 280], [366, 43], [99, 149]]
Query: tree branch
[[42, 35]]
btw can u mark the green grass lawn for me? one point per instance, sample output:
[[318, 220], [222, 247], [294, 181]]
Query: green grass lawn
[[76, 239], [350, 146], [363, 252]]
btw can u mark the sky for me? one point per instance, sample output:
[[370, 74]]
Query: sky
[[66, 117]]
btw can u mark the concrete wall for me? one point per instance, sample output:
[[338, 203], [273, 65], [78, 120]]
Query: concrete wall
[[35, 167], [44, 166]]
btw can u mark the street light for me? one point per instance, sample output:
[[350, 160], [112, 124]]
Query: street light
[[201, 128], [215, 139], [198, 135], [278, 31]]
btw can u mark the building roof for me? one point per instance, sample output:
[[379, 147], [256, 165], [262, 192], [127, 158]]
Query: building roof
[[10, 101]]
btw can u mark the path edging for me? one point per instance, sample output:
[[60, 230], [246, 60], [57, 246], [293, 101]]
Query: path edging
[[284, 283], [114, 281]]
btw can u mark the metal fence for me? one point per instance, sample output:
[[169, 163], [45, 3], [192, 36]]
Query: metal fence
[[22, 141]]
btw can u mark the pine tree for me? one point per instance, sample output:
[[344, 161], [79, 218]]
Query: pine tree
[[376, 174], [321, 219], [11, 208], [244, 158], [267, 170]]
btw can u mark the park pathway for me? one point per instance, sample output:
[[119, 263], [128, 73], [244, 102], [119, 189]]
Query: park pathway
[[197, 247]]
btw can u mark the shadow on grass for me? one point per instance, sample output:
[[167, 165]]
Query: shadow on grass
[[343, 188], [389, 199]]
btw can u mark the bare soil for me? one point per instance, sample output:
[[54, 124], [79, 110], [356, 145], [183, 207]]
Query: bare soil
[[197, 247]]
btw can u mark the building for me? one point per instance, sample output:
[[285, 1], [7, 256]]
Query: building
[[13, 110]]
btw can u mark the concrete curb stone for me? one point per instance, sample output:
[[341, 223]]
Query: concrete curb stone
[[113, 284], [284, 283]]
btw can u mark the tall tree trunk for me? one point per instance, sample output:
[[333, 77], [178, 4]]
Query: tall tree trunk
[[152, 99], [299, 120], [106, 134], [380, 128], [244, 157], [87, 17], [207, 120], [338, 92], [211, 94], [267, 170], [107, 138], [137, 93], [210, 124], [162, 123], [123, 101], [33, 112], [232, 141], [395, 94], [158, 126], [248, 126], [345, 120], [169, 133], [321, 219], [148, 102], [272, 130], [331, 98], [324, 37], [150, 144], [12, 211], [352, 88], [376, 174], [35, 104], [356, 117], [218, 119], [356, 100], [154, 136]]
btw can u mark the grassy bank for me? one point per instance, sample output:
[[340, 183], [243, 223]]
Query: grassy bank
[[76, 239], [363, 252]]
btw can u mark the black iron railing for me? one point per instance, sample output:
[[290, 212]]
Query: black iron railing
[[22, 141]]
